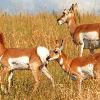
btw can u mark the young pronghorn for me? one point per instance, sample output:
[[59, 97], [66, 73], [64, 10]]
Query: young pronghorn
[[85, 35], [12, 59], [78, 68]]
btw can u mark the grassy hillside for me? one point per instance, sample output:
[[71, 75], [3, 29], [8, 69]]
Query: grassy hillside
[[24, 31]]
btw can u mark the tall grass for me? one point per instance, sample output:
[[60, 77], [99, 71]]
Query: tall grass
[[24, 31]]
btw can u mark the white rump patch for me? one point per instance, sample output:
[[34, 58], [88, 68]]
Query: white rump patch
[[43, 53], [91, 35], [19, 62], [88, 69]]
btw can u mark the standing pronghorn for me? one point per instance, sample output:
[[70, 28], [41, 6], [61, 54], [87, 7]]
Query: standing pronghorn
[[12, 59], [79, 68], [85, 35]]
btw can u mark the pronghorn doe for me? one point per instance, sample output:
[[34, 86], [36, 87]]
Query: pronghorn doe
[[12, 59], [86, 36], [78, 68]]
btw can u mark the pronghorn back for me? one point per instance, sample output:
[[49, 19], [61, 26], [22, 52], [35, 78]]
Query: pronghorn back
[[88, 28], [83, 61], [84, 29]]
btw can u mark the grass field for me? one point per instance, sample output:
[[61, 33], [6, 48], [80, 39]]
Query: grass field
[[24, 31]]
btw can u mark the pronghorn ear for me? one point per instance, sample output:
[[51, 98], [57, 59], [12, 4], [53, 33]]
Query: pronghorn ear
[[61, 46]]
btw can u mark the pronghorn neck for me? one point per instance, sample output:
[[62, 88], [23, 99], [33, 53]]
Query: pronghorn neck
[[72, 25], [2, 49], [64, 61]]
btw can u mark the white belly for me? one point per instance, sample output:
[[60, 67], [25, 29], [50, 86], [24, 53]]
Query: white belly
[[19, 62], [91, 35], [88, 69]]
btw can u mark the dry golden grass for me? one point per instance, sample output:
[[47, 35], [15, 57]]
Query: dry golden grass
[[23, 31]]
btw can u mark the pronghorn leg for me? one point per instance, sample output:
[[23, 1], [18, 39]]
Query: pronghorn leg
[[46, 72], [97, 71], [10, 79], [3, 74], [79, 83], [81, 49], [80, 77], [77, 47], [36, 74], [94, 75]]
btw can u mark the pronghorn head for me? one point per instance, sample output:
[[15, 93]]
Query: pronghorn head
[[66, 17], [56, 52]]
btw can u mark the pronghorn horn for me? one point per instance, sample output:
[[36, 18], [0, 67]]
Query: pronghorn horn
[[62, 42], [61, 46]]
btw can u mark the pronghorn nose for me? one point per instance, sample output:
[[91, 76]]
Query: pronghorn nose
[[57, 20], [60, 22], [48, 58]]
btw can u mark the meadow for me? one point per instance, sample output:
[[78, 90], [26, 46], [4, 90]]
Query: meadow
[[25, 31]]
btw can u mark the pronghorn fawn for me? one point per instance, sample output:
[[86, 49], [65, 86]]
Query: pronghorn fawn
[[12, 59], [85, 36], [78, 68]]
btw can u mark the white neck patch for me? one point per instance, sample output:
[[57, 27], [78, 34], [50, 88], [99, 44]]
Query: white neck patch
[[61, 61], [43, 53]]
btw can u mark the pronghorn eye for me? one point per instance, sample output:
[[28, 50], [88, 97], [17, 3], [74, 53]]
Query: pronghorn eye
[[56, 52]]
